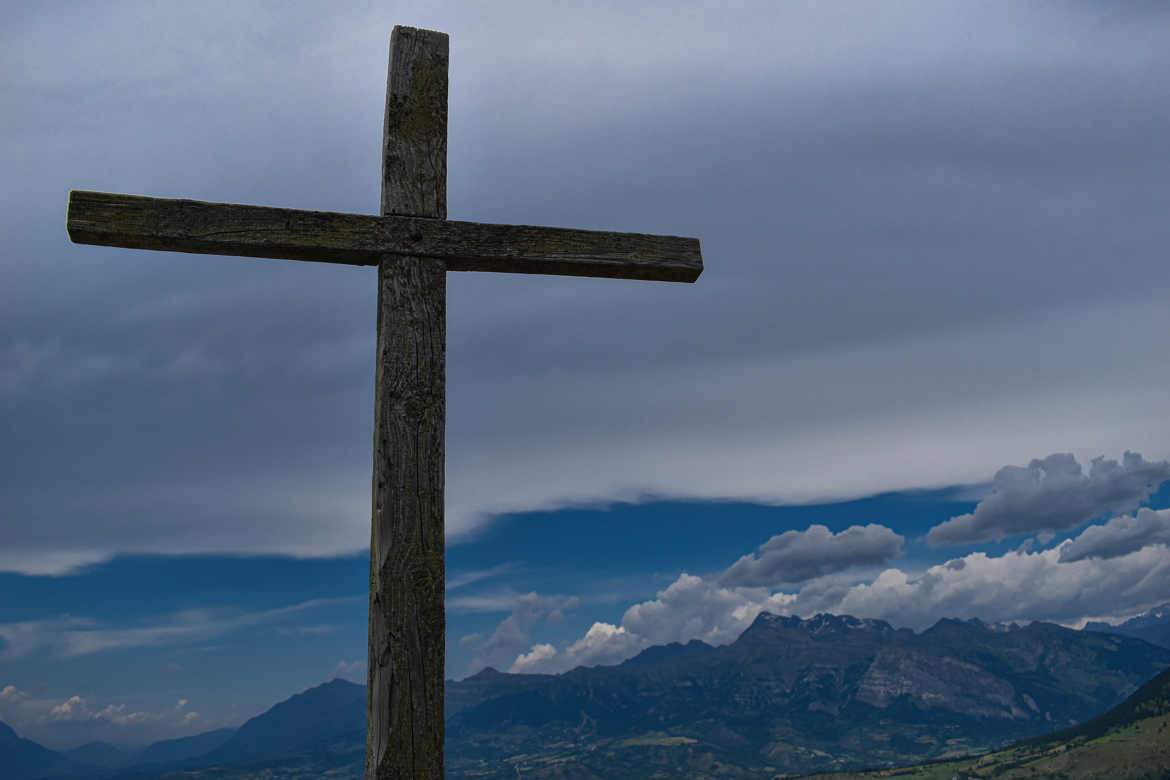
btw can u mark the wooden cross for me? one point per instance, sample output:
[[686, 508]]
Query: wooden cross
[[414, 245]]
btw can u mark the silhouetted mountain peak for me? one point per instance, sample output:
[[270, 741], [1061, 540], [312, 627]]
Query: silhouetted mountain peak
[[825, 623], [23, 758], [1001, 626], [949, 624], [659, 653], [1153, 626], [184, 748], [952, 625], [820, 625], [336, 684], [1042, 628], [299, 723]]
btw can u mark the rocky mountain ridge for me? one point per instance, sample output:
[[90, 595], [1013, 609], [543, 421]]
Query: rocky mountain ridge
[[1152, 626], [797, 695], [1127, 743]]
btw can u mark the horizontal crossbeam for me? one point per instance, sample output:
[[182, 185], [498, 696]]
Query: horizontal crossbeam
[[179, 225]]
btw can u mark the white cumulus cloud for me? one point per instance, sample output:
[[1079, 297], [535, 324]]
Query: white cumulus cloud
[[513, 634], [533, 657]]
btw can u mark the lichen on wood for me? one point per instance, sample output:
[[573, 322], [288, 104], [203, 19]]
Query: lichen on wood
[[404, 726]]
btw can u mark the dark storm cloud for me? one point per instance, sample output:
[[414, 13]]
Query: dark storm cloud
[[940, 224], [1053, 494], [797, 556], [1120, 536]]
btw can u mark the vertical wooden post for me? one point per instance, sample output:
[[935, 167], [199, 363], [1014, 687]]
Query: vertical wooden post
[[404, 707]]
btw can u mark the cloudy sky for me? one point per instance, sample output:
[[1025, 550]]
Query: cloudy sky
[[923, 374]]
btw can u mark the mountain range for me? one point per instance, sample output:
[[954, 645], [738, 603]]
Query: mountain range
[[793, 696], [788, 696], [23, 758], [1130, 742], [326, 723], [1152, 626]]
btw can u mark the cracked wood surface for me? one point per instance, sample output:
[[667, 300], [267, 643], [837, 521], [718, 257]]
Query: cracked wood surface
[[407, 639], [179, 225]]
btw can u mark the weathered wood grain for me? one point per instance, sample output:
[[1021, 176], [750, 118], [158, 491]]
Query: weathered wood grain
[[407, 639], [180, 225]]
